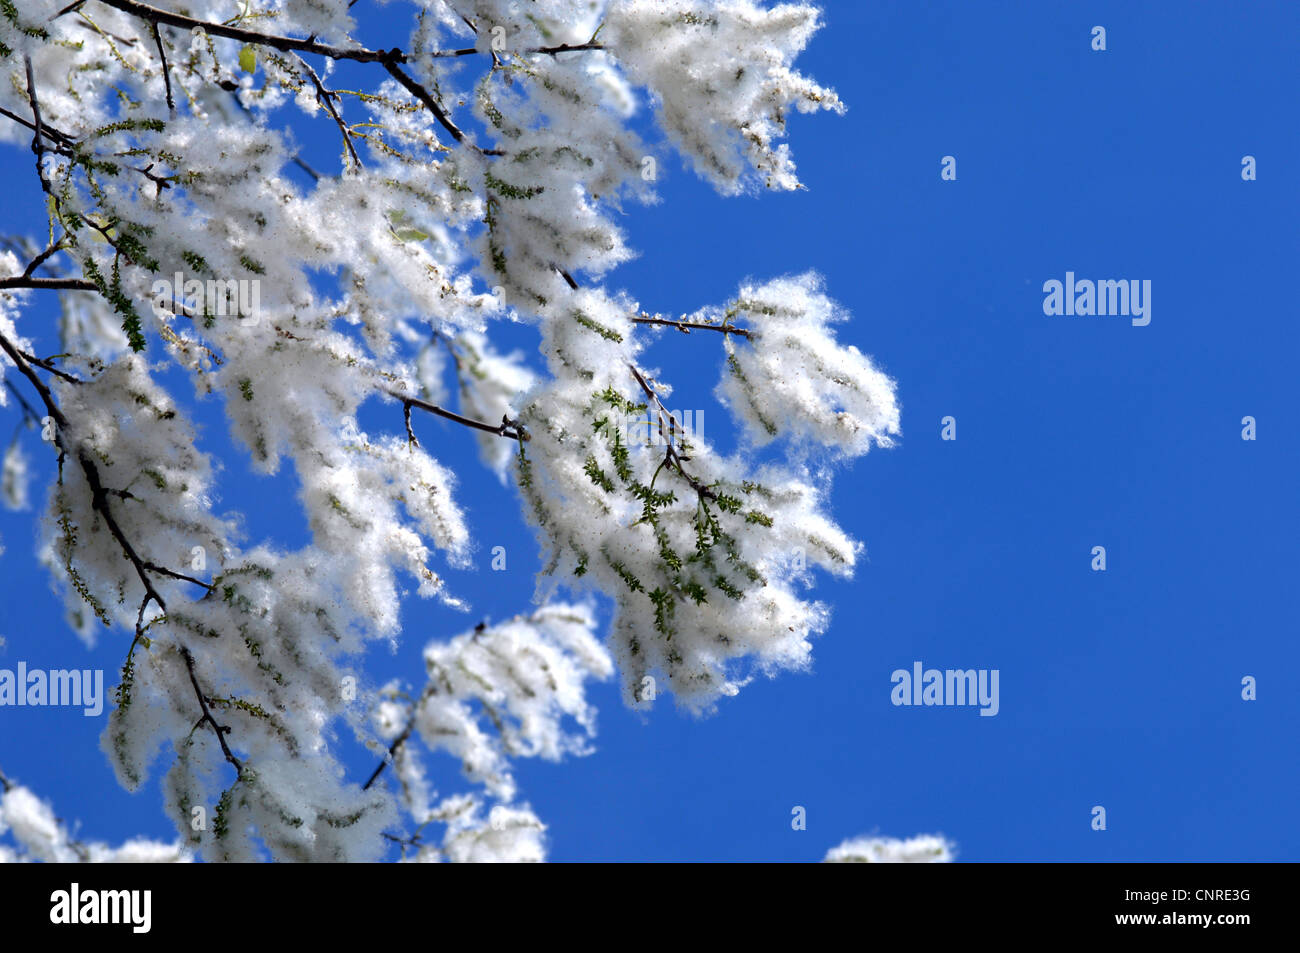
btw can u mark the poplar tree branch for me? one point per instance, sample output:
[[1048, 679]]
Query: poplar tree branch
[[507, 428], [47, 284]]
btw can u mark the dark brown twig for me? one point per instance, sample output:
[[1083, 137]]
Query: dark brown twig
[[326, 98], [507, 428], [392, 753], [219, 730], [167, 79], [52, 284], [163, 570], [285, 44], [47, 365], [687, 326], [37, 146]]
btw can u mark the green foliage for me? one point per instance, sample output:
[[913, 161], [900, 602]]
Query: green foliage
[[67, 546], [112, 291], [129, 125], [734, 366], [511, 191], [597, 475], [609, 334]]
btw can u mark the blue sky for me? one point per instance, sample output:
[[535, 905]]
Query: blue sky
[[1119, 688]]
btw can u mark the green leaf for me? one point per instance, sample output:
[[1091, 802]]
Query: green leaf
[[248, 59]]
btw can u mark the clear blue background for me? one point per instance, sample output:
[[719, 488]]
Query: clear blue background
[[1120, 688]]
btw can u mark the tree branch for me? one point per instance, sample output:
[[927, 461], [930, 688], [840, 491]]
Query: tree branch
[[219, 730], [163, 570], [52, 284], [37, 146], [99, 495], [60, 140], [326, 98], [507, 428], [392, 752], [419, 92], [48, 366], [285, 44], [167, 78], [671, 457], [687, 326], [29, 412], [99, 501]]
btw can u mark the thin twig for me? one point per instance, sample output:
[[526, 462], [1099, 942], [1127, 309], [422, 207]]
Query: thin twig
[[37, 146], [285, 44], [61, 140], [163, 570], [48, 366], [42, 258], [167, 79], [391, 61], [687, 326], [326, 98], [29, 412], [99, 495], [52, 284], [392, 753], [507, 428], [219, 730]]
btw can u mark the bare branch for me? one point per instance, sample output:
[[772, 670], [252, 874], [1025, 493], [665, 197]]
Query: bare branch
[[392, 753], [52, 284], [687, 326], [326, 98], [285, 44], [37, 146], [49, 366], [507, 428], [220, 730], [99, 495], [163, 570], [419, 92], [167, 79]]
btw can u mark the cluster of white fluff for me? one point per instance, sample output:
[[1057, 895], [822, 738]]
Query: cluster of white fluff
[[793, 379], [922, 849], [706, 555], [36, 834], [15, 475], [490, 387], [511, 690], [429, 238], [720, 73]]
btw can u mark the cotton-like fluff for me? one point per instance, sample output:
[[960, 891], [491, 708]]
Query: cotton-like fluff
[[792, 379], [721, 75], [294, 285], [36, 834], [15, 477], [706, 555], [496, 693], [491, 388], [510, 690], [922, 849]]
